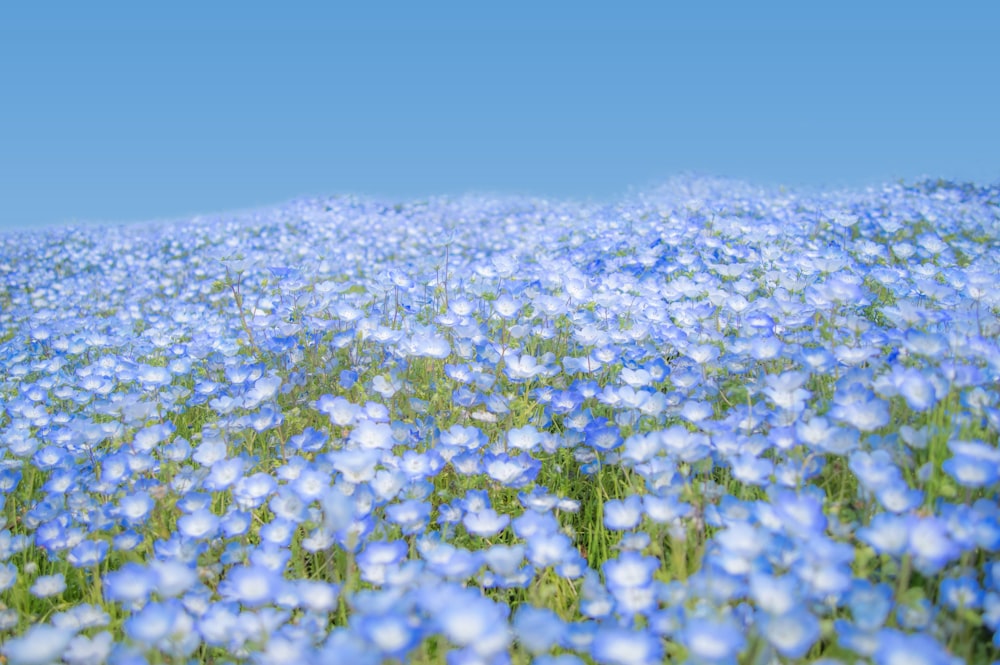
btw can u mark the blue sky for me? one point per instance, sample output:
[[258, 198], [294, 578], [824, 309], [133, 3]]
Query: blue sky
[[130, 111]]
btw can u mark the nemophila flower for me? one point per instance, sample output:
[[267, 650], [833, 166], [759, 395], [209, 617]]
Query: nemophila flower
[[894, 647], [504, 560], [340, 411], [153, 623], [776, 595], [712, 640], [467, 463], [874, 470], [550, 548], [288, 506], [785, 389], [524, 438], [387, 484], [961, 593], [393, 634], [898, 497], [537, 629], [565, 401], [970, 471], [850, 636], [83, 650], [991, 611], [471, 621], [48, 585], [623, 514], [131, 584], [88, 553], [696, 411], [251, 586], [869, 603], [200, 524], [38, 645], [135, 508], [791, 634], [310, 484], [629, 580], [917, 389], [278, 531], [752, 470], [523, 367], [210, 451], [621, 646], [417, 466], [356, 465], [316, 595], [369, 434], [410, 515], [464, 438], [218, 623], [8, 575], [602, 436], [448, 561], [283, 649], [665, 509], [270, 556], [224, 473], [151, 378], [801, 514], [930, 545], [309, 440], [742, 539], [867, 415], [485, 523], [173, 578], [512, 471]]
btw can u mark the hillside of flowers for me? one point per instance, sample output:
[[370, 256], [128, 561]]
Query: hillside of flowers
[[710, 423]]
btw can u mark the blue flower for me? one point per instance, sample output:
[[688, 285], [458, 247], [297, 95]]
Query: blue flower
[[930, 545], [224, 473], [471, 621], [898, 497], [887, 533], [393, 634], [485, 522], [961, 593], [969, 471], [624, 514], [131, 584], [547, 549], [411, 515], [48, 585], [869, 604], [914, 649], [620, 646], [602, 436], [712, 641], [792, 634], [377, 556], [83, 650], [775, 595], [200, 524], [537, 629], [252, 586], [252, 491], [515, 472], [88, 553], [38, 645]]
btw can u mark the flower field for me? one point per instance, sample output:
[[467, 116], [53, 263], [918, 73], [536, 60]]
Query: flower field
[[709, 423]]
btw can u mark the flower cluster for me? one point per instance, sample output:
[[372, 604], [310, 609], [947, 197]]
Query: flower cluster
[[709, 423]]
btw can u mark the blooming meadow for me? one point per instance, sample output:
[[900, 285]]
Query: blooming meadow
[[710, 423]]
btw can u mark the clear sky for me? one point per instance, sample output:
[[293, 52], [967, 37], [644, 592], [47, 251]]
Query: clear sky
[[118, 111]]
